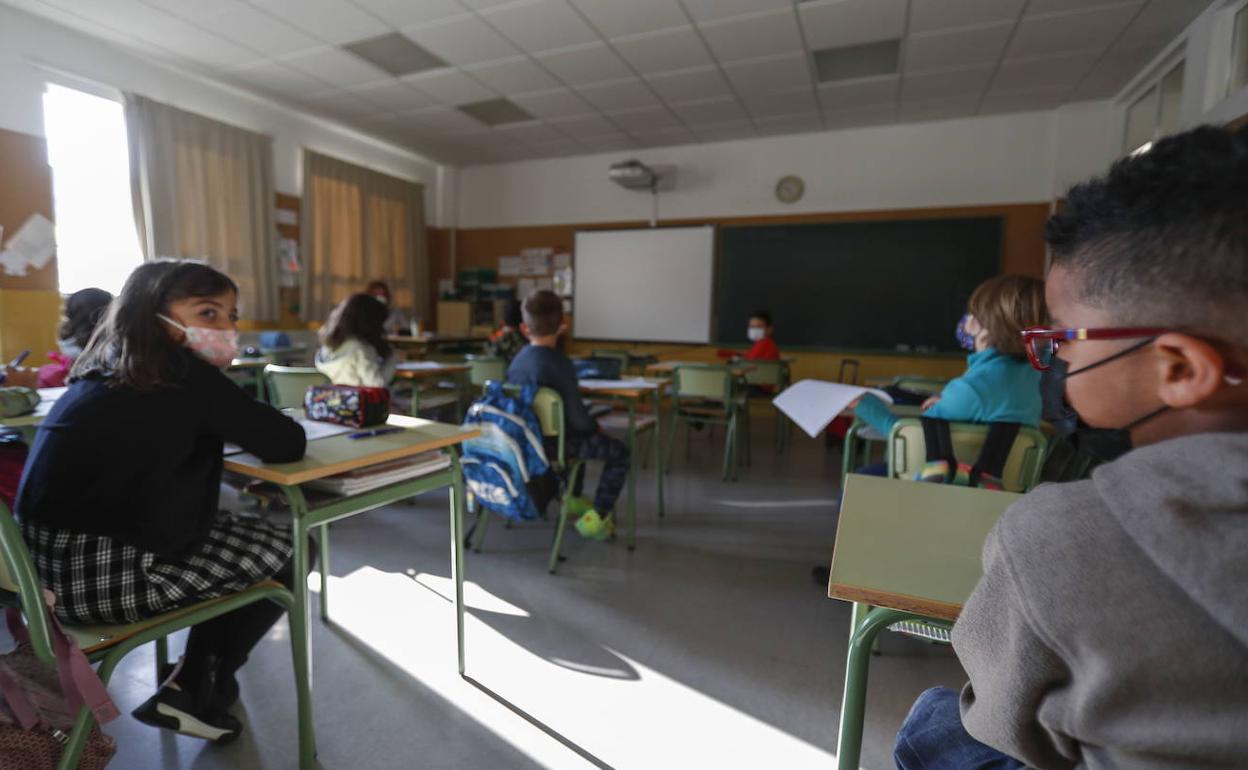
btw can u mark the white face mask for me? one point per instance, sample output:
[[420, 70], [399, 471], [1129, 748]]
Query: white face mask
[[216, 346], [755, 333]]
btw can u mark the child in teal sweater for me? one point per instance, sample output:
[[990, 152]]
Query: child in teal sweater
[[998, 385]]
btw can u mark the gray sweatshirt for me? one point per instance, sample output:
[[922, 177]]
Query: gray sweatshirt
[[1110, 629]]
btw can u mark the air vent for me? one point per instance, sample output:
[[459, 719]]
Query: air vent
[[495, 112], [857, 61], [395, 54]]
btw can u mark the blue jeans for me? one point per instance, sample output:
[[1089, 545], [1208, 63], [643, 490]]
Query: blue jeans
[[933, 738]]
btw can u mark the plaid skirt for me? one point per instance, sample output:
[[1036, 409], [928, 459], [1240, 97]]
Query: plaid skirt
[[97, 579]]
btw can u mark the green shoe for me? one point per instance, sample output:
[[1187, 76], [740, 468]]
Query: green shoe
[[593, 526], [579, 505]]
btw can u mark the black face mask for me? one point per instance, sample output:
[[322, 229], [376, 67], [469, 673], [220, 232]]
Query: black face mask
[[1104, 444]]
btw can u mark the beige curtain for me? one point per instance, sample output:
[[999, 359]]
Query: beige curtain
[[204, 190], [359, 225]]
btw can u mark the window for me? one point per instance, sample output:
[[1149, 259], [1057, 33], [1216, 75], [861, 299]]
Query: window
[[1155, 113], [97, 244], [1239, 51]]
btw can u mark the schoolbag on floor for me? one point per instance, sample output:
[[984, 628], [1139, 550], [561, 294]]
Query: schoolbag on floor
[[943, 467], [500, 465]]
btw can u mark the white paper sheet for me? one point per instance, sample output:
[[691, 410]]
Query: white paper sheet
[[614, 384], [34, 243], [317, 430], [419, 366], [812, 404]]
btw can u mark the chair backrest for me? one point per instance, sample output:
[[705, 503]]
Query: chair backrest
[[846, 364], [926, 385], [706, 382], [18, 576], [601, 368], [287, 384], [485, 368], [548, 407], [767, 373], [908, 451]]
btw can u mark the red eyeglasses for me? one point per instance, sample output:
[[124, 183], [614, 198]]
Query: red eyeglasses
[[1042, 343]]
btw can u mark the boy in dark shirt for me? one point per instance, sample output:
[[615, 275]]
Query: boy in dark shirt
[[541, 363]]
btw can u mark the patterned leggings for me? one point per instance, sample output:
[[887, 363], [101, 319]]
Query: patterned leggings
[[600, 446]]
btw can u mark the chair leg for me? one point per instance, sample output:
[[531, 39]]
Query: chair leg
[[730, 436], [162, 660], [77, 740], [303, 691], [483, 521], [555, 548], [865, 626], [324, 569], [671, 442]]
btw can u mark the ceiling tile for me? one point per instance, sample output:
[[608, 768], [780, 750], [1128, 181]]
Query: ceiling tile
[[1112, 73], [1022, 101], [618, 94], [405, 13], [340, 104], [614, 18], [1160, 22], [749, 37], [585, 126], [852, 95], [938, 85], [191, 9], [277, 78], [645, 119], [556, 103], [442, 119], [956, 48], [540, 25], [585, 64], [257, 30], [533, 132], [836, 23], [1095, 28], [609, 143], [666, 137], [330, 20], [450, 86], [710, 111], [739, 129], [393, 95], [864, 116], [669, 49], [1043, 72], [940, 109], [802, 123], [929, 15], [781, 102], [788, 71], [513, 76], [335, 66], [461, 40], [711, 10], [689, 85], [1046, 7], [188, 41]]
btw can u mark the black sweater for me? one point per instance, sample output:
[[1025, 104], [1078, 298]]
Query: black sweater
[[145, 467], [547, 367]]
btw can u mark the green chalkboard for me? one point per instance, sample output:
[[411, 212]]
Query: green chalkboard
[[864, 285]]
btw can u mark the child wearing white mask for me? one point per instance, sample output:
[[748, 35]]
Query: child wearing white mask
[[759, 333]]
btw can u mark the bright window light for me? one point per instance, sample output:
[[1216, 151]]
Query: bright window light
[[96, 241]]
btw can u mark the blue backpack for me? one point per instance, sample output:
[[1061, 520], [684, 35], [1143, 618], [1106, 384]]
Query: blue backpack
[[499, 465]]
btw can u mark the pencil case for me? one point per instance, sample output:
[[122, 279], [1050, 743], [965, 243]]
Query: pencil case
[[347, 405]]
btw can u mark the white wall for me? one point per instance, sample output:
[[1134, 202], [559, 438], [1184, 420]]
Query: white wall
[[983, 160], [27, 41]]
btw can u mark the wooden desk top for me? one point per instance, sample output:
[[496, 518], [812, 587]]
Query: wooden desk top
[[666, 367], [341, 453], [407, 339], [911, 546], [659, 383]]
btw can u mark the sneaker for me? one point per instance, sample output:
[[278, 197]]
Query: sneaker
[[594, 526], [176, 709]]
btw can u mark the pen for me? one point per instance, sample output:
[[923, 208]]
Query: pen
[[377, 432], [20, 358]]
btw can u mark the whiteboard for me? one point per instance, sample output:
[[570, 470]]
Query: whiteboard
[[651, 285]]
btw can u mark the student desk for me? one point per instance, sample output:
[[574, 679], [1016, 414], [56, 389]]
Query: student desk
[[632, 392], [252, 373], [286, 355], [860, 434], [905, 550], [28, 423], [339, 454], [667, 367], [435, 341], [421, 370]]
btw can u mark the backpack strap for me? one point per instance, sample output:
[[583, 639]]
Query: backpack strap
[[990, 466], [941, 463]]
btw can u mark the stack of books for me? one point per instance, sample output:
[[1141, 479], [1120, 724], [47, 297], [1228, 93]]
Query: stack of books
[[377, 476]]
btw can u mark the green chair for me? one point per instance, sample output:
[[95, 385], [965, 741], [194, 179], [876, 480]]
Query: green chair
[[619, 355], [548, 406], [908, 452], [286, 385], [109, 644], [486, 368], [774, 374], [707, 394]]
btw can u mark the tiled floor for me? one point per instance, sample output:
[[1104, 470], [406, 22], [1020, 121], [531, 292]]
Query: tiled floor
[[709, 646]]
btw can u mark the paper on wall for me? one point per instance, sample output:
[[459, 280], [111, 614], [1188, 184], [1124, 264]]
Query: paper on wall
[[544, 284], [13, 264], [509, 265], [562, 260], [34, 243], [525, 287], [286, 216], [288, 254], [812, 404]]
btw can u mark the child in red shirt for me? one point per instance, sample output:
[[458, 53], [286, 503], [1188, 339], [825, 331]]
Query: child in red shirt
[[764, 348]]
